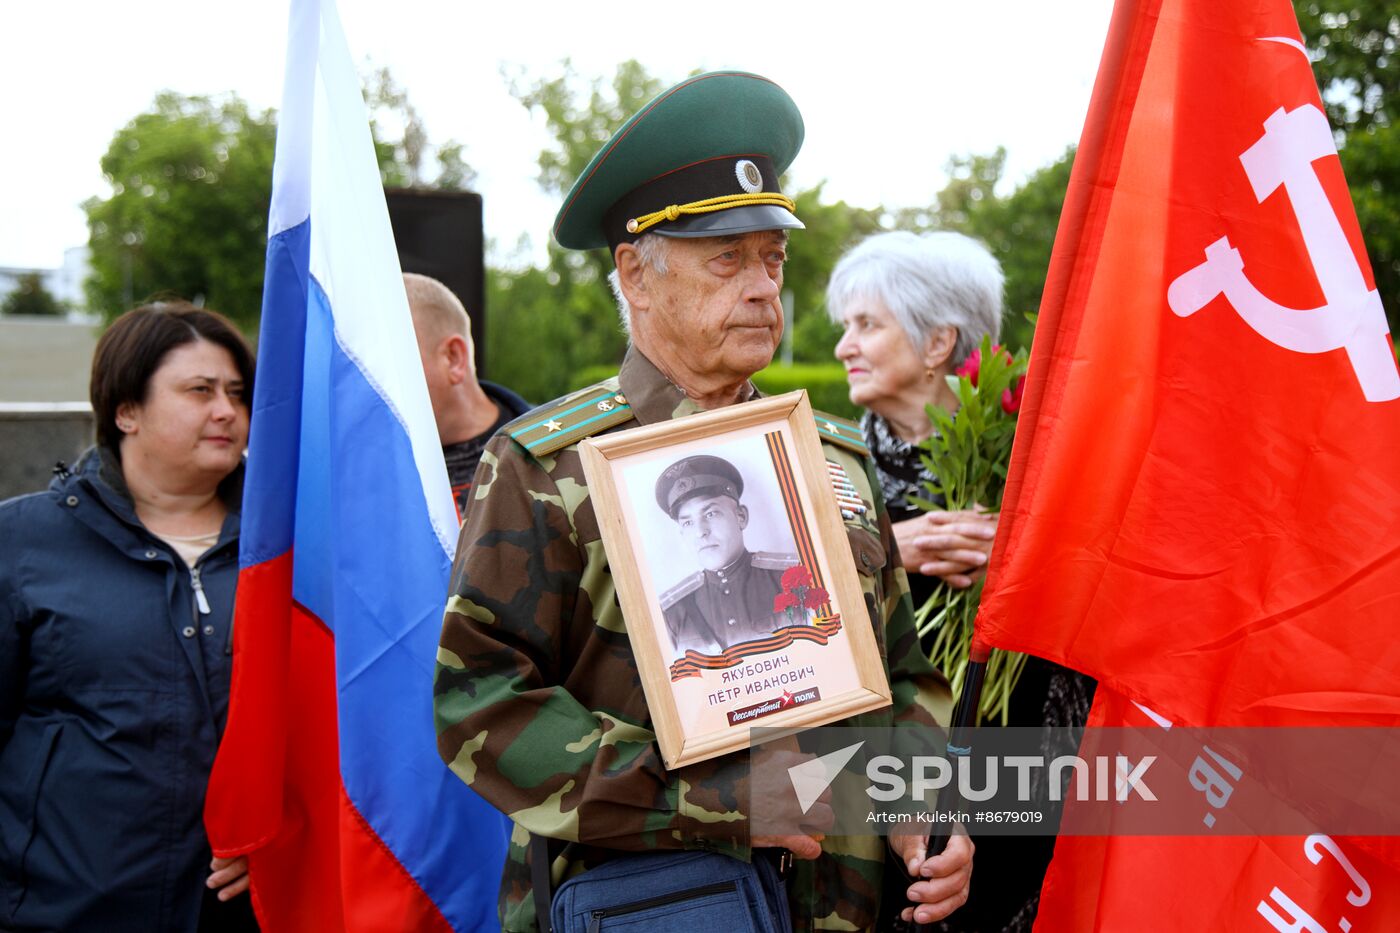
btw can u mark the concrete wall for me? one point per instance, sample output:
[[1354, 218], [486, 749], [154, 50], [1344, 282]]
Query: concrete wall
[[33, 436], [45, 359]]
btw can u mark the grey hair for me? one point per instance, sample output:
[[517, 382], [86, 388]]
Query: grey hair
[[652, 250], [939, 279]]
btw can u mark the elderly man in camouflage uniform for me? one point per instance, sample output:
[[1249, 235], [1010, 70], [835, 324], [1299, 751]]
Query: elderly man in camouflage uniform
[[538, 702]]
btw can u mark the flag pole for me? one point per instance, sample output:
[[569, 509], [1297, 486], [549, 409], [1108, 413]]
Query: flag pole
[[959, 746]]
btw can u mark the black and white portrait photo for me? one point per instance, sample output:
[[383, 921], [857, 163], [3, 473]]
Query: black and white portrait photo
[[720, 541]]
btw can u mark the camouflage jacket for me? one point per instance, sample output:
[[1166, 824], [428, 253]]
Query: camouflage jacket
[[537, 699]]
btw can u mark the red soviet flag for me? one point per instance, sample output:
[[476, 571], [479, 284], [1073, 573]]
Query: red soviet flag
[[1204, 505], [1185, 884]]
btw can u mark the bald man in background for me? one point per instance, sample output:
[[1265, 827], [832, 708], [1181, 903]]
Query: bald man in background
[[467, 410]]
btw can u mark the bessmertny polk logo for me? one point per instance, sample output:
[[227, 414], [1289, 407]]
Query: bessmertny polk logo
[[1352, 317]]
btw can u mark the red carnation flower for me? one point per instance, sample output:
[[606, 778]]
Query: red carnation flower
[[783, 602], [1011, 398], [970, 366], [816, 597], [796, 576]]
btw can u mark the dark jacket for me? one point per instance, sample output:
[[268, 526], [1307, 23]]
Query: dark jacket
[[512, 406], [462, 457], [712, 610], [113, 693]]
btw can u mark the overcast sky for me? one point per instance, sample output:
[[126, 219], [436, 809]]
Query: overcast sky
[[888, 90]]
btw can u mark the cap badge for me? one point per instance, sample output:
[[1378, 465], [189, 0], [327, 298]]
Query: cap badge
[[750, 178]]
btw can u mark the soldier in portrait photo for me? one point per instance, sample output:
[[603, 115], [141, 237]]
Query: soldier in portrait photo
[[730, 599]]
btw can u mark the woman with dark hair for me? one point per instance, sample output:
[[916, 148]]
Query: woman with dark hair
[[116, 613]]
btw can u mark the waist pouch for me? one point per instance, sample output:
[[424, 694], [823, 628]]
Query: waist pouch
[[674, 892]]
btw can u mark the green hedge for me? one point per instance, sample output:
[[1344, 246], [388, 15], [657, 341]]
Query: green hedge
[[825, 384], [591, 374]]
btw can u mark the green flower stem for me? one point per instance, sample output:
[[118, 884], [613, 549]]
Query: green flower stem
[[968, 454]]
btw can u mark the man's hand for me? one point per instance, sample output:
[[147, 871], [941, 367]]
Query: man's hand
[[773, 807], [230, 876], [953, 546], [941, 883], [803, 847]]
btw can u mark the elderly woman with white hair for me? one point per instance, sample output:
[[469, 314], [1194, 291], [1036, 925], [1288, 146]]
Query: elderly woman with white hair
[[913, 308]]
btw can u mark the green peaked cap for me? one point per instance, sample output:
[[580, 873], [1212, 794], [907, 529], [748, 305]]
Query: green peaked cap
[[688, 145]]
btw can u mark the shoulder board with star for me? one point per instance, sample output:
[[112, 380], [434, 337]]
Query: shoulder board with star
[[841, 431], [772, 560], [570, 419], [682, 589]]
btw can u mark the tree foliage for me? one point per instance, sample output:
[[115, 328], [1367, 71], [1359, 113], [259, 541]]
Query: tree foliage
[[401, 140], [544, 329], [1018, 228], [580, 127], [812, 253], [1355, 47], [191, 185], [31, 297], [565, 312], [1371, 160]]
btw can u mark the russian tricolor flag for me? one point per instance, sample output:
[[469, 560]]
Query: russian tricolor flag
[[328, 776]]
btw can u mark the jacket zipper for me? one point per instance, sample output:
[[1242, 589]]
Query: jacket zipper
[[719, 887], [200, 599], [204, 602]]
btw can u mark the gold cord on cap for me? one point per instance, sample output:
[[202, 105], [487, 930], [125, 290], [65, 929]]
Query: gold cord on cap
[[708, 206]]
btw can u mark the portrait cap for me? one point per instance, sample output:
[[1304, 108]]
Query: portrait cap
[[702, 159], [702, 474]]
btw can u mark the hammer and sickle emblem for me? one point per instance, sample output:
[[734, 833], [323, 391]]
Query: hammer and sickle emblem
[[1352, 317]]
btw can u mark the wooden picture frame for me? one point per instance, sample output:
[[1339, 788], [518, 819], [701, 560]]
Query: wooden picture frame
[[662, 494]]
